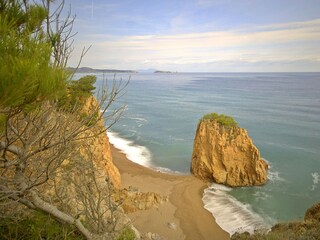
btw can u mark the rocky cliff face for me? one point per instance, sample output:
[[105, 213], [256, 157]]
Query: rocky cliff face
[[88, 177], [99, 148], [226, 156]]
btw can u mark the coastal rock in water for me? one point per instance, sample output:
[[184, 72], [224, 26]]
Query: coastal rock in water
[[226, 155]]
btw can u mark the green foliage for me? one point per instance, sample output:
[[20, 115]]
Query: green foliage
[[78, 93], [36, 226], [26, 74], [83, 87], [127, 234], [222, 119], [3, 119]]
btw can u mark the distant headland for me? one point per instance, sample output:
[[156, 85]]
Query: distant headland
[[164, 72], [92, 70]]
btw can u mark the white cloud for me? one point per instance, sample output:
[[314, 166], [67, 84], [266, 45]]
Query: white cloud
[[290, 42]]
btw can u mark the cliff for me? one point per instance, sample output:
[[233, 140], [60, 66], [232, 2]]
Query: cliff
[[99, 146], [88, 177], [226, 155], [68, 168]]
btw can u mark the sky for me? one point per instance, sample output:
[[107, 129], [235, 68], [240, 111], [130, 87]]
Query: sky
[[198, 35]]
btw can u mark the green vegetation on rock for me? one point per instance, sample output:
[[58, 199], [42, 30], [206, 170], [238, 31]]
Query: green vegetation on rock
[[84, 86], [36, 226], [77, 93], [127, 234], [308, 229], [222, 119]]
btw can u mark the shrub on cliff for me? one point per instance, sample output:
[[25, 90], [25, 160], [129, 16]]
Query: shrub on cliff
[[78, 91], [83, 87], [222, 119], [307, 229], [36, 225]]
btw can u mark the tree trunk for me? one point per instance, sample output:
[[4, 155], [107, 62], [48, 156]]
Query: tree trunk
[[48, 208]]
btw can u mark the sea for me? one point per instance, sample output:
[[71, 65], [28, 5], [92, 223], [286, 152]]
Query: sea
[[281, 112]]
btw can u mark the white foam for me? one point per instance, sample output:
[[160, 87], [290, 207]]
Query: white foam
[[140, 119], [167, 170], [315, 180], [134, 152], [274, 176], [231, 215], [260, 196], [176, 139]]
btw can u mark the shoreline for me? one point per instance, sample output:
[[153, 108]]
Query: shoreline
[[184, 208]]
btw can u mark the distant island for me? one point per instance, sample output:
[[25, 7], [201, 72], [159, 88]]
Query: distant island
[[92, 70], [164, 72]]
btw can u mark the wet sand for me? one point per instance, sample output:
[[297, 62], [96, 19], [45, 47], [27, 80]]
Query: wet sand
[[182, 216]]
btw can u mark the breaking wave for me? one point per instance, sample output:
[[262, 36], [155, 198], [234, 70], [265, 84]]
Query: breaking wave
[[230, 214], [134, 152]]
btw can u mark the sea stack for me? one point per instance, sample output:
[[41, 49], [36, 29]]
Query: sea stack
[[225, 154]]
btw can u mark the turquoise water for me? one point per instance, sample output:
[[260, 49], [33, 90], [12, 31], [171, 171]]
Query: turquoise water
[[281, 112]]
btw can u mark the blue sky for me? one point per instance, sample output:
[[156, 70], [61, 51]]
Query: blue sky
[[198, 35]]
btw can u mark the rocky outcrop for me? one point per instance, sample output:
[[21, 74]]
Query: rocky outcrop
[[226, 155], [133, 200]]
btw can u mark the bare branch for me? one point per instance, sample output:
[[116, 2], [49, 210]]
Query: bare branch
[[11, 148], [42, 151], [48, 208]]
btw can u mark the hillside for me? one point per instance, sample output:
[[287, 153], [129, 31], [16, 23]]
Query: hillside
[[93, 70]]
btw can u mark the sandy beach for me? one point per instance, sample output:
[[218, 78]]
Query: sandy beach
[[183, 210]]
